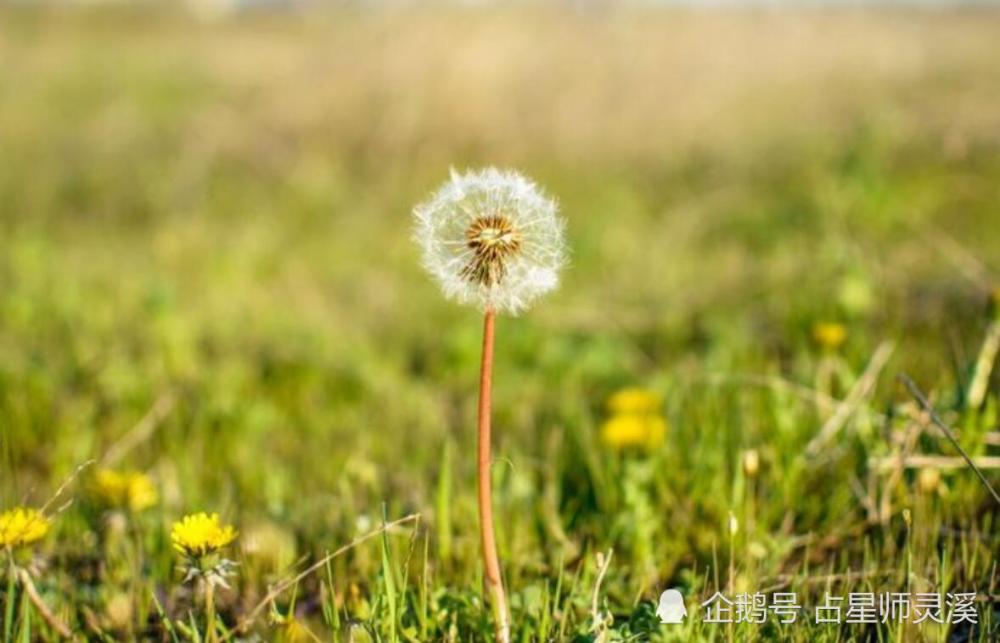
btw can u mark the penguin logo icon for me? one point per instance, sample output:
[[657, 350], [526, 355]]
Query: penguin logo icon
[[671, 608]]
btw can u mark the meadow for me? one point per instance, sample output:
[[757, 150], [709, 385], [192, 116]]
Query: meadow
[[210, 300]]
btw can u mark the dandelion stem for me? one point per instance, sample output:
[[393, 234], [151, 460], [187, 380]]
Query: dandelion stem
[[494, 581], [210, 612]]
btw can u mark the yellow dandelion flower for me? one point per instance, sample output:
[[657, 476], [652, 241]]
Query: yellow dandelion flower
[[140, 492], [634, 430], [623, 430], [634, 400], [22, 526], [635, 420], [125, 490], [201, 534], [829, 335], [106, 486]]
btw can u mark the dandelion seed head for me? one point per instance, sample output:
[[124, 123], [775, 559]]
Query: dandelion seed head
[[491, 238]]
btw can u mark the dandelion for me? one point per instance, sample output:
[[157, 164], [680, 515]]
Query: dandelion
[[19, 528], [829, 336], [491, 239], [129, 490], [635, 420], [200, 538], [200, 535], [633, 430], [634, 400], [22, 526]]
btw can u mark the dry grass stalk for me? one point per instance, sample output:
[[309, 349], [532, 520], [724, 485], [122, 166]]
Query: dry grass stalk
[[936, 420], [943, 462], [858, 393]]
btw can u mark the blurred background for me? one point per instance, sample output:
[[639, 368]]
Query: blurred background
[[206, 270]]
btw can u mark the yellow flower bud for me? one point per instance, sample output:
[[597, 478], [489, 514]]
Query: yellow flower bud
[[751, 463], [928, 480]]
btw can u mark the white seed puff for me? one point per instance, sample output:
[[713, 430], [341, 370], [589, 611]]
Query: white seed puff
[[493, 239]]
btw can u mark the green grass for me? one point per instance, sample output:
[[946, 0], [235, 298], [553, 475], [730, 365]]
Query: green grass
[[209, 224]]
